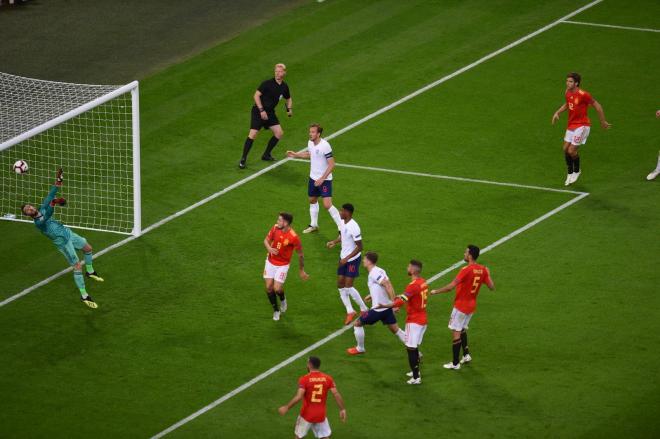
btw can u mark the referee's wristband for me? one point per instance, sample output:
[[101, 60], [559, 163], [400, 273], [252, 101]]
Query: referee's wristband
[[261, 109]]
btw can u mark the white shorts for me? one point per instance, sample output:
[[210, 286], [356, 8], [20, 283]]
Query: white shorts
[[414, 334], [458, 320], [320, 429], [277, 272], [578, 136]]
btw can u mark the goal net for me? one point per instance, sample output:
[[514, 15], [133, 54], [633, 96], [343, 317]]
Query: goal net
[[91, 131]]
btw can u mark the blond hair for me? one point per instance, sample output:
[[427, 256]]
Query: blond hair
[[280, 65]]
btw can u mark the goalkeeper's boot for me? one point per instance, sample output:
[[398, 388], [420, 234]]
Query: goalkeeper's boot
[[94, 275], [87, 300]]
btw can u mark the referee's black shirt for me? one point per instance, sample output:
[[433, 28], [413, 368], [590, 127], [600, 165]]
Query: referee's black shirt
[[271, 92]]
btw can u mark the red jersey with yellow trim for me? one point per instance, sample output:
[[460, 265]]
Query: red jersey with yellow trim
[[578, 105], [285, 243], [415, 297], [316, 385], [468, 283]]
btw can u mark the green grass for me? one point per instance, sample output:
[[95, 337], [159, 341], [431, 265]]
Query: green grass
[[564, 347]]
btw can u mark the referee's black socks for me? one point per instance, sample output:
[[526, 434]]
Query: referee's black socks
[[246, 147], [271, 145]]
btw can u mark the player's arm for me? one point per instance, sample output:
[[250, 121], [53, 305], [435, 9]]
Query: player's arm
[[50, 201], [285, 408], [450, 286], [328, 171], [340, 403], [259, 104], [601, 114], [334, 242], [388, 287], [301, 263], [298, 155], [356, 250], [489, 282], [289, 107], [560, 110], [272, 250]]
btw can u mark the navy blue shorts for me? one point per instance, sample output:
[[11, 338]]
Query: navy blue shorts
[[323, 191], [373, 316], [351, 268]]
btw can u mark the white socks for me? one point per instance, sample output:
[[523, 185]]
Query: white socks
[[314, 215], [359, 337], [357, 298], [402, 335], [334, 213], [346, 299]]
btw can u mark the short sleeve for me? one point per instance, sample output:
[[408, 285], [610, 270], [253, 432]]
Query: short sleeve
[[331, 383], [486, 277], [357, 233], [297, 243], [271, 234], [286, 94], [381, 276], [588, 98], [263, 87], [301, 382], [461, 275], [327, 150], [411, 290]]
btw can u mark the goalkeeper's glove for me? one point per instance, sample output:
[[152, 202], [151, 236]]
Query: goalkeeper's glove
[[59, 180], [58, 202]]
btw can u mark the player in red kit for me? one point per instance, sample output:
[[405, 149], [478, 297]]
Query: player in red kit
[[467, 283], [415, 298], [577, 103], [313, 390], [280, 242]]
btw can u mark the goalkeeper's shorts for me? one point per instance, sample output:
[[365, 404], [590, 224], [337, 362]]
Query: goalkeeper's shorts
[[75, 242]]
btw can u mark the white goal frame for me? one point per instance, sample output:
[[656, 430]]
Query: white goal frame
[[133, 88]]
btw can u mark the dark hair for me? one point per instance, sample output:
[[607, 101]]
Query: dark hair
[[286, 216], [416, 263], [348, 207], [315, 362], [372, 256], [576, 77], [318, 127], [474, 251]]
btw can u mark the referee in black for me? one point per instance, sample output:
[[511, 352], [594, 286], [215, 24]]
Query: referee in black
[[266, 98]]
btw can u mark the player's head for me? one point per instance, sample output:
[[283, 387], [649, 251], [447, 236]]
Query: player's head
[[573, 80], [471, 253], [313, 363], [370, 259], [280, 71], [414, 267], [315, 131], [346, 211], [29, 210], [284, 220]]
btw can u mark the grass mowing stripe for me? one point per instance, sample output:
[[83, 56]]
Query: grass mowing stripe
[[612, 26], [331, 136], [339, 332]]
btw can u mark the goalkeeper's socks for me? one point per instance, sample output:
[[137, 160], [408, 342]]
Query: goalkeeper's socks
[[576, 164], [273, 301], [569, 163], [271, 145], [80, 282], [88, 263], [246, 148]]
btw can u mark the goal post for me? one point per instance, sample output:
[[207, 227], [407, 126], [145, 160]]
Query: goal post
[[91, 131]]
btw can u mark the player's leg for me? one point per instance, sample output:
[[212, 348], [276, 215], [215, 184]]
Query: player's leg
[[255, 125], [457, 322], [313, 192], [575, 156], [326, 193], [656, 171], [277, 135], [269, 280], [69, 252], [352, 271], [322, 430], [358, 331], [81, 243], [390, 320], [464, 344], [568, 158], [302, 428], [344, 296], [279, 291]]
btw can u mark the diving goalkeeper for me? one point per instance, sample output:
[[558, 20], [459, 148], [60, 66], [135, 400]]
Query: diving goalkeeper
[[66, 241]]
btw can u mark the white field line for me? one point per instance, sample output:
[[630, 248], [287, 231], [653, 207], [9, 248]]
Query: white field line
[[449, 177], [339, 332], [331, 136], [612, 26]]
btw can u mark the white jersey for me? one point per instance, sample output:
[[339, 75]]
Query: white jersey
[[376, 290], [319, 155], [350, 233]]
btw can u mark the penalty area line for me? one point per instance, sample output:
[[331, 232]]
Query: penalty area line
[[330, 137], [339, 332]]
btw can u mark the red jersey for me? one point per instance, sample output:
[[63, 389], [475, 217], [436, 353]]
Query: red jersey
[[316, 385], [578, 103], [285, 243], [415, 296], [468, 283]]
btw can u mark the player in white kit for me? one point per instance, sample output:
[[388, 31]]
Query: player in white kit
[[381, 293], [350, 237], [319, 152]]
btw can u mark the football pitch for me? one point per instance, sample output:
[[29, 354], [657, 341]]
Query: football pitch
[[439, 117]]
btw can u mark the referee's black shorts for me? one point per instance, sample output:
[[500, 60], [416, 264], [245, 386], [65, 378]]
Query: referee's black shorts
[[257, 123]]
